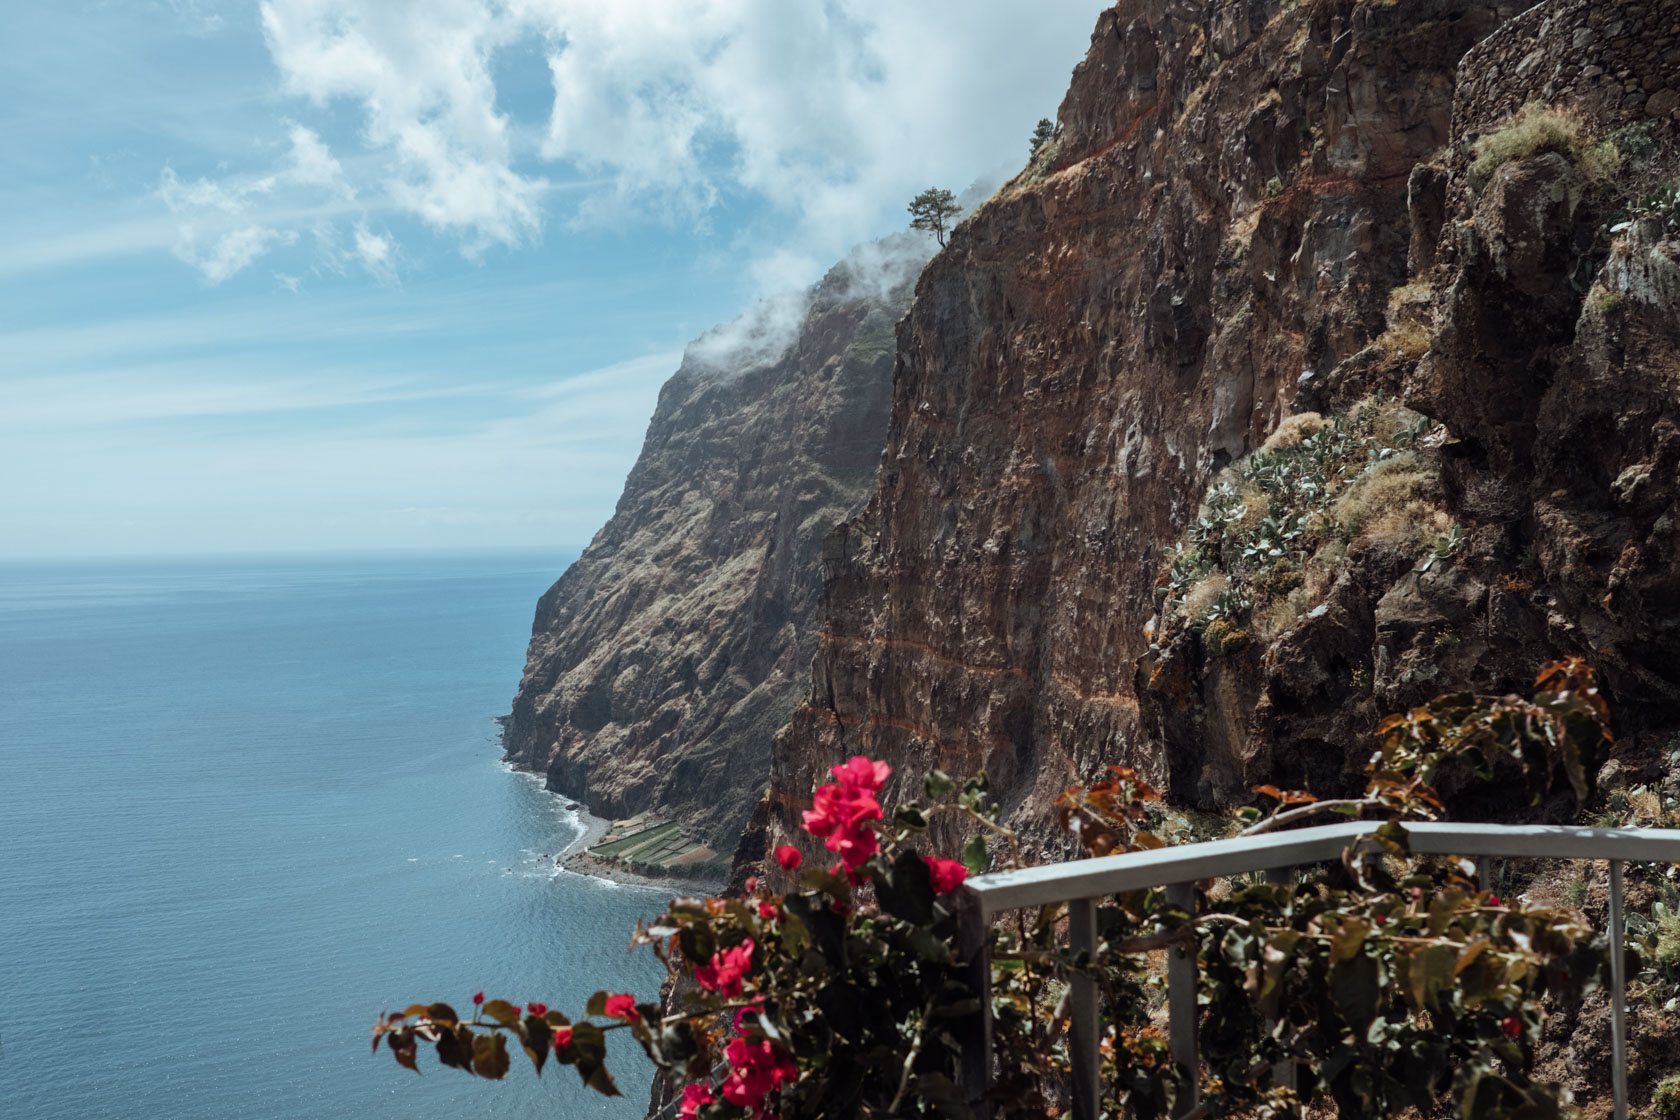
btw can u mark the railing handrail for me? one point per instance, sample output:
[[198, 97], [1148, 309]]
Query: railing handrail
[[1080, 882], [1239, 855]]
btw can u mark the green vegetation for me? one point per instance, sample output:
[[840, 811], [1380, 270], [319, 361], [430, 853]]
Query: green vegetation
[[1667, 1097], [1533, 129], [1041, 135], [1275, 526], [933, 210], [1391, 983]]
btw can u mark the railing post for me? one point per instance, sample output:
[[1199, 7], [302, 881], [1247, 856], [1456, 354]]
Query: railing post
[[1618, 993], [1087, 1062], [1181, 1002], [974, 944], [1283, 1075]]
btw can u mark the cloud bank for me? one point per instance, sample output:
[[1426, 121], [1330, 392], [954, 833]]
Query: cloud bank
[[825, 114]]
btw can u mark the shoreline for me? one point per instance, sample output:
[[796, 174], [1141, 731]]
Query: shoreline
[[575, 857]]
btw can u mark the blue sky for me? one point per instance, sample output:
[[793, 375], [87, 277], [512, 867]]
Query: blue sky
[[346, 274]]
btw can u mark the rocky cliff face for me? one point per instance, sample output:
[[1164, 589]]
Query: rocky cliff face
[[667, 656], [1209, 245]]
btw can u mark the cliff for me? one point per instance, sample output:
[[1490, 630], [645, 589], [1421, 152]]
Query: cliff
[[664, 660], [1252, 212]]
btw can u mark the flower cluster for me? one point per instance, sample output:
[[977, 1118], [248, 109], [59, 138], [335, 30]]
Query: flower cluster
[[756, 1069], [842, 810], [728, 967]]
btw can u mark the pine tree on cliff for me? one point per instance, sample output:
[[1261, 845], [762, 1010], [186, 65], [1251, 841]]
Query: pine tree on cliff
[[932, 210], [1041, 135]]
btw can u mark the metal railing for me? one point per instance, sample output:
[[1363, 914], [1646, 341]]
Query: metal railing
[[1082, 883]]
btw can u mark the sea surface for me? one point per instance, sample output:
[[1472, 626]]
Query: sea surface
[[246, 805]]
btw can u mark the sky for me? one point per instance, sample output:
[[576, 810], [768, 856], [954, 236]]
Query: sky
[[298, 275]]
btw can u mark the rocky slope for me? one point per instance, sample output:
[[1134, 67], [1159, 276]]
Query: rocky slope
[[1212, 243], [667, 656]]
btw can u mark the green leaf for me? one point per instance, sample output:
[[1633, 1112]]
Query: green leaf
[[442, 1013], [1355, 991], [938, 784], [537, 1038], [402, 1046], [597, 1004], [502, 1012], [1348, 939], [490, 1056], [1429, 972], [455, 1048], [906, 891], [908, 816], [974, 855]]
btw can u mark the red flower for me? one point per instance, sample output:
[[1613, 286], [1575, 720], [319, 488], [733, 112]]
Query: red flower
[[788, 856], [843, 815], [1512, 1027], [726, 970], [622, 1007], [859, 774], [752, 883], [756, 1069], [562, 1038], [1493, 900], [538, 1009], [478, 999], [695, 1095], [767, 911], [947, 874]]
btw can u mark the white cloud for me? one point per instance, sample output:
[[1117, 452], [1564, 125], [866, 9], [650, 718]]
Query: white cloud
[[834, 113], [223, 225], [421, 76]]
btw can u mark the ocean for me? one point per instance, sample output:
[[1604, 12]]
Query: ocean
[[248, 804]]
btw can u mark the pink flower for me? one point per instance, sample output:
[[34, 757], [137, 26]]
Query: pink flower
[[843, 817], [695, 1095], [752, 883], [562, 1038], [767, 911], [538, 1009], [726, 970], [947, 874], [788, 856], [756, 1069], [859, 774], [622, 1007]]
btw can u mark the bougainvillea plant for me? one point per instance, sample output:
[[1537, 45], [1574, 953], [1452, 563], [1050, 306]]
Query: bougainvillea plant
[[1385, 983]]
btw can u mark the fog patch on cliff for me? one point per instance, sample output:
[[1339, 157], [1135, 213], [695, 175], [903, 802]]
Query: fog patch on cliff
[[757, 337], [872, 271]]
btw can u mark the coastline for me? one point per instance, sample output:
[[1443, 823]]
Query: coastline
[[575, 857]]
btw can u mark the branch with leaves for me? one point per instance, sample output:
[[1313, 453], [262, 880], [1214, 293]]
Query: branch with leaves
[[1386, 983]]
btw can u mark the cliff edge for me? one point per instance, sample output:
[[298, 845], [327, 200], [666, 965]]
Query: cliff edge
[[665, 659]]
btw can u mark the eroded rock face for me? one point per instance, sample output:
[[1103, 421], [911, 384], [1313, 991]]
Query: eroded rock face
[[1551, 364], [667, 656], [1224, 217]]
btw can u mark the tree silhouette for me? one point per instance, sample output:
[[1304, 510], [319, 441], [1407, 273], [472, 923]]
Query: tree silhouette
[[1041, 135], [932, 210]]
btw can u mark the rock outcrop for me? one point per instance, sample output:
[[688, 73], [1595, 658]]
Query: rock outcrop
[[1248, 211], [668, 655], [1217, 223]]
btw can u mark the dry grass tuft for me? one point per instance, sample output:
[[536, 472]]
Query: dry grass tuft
[[1388, 502], [1405, 340], [1293, 429], [1201, 598], [1533, 129]]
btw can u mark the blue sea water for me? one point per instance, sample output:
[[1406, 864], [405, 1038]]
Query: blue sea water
[[245, 805]]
